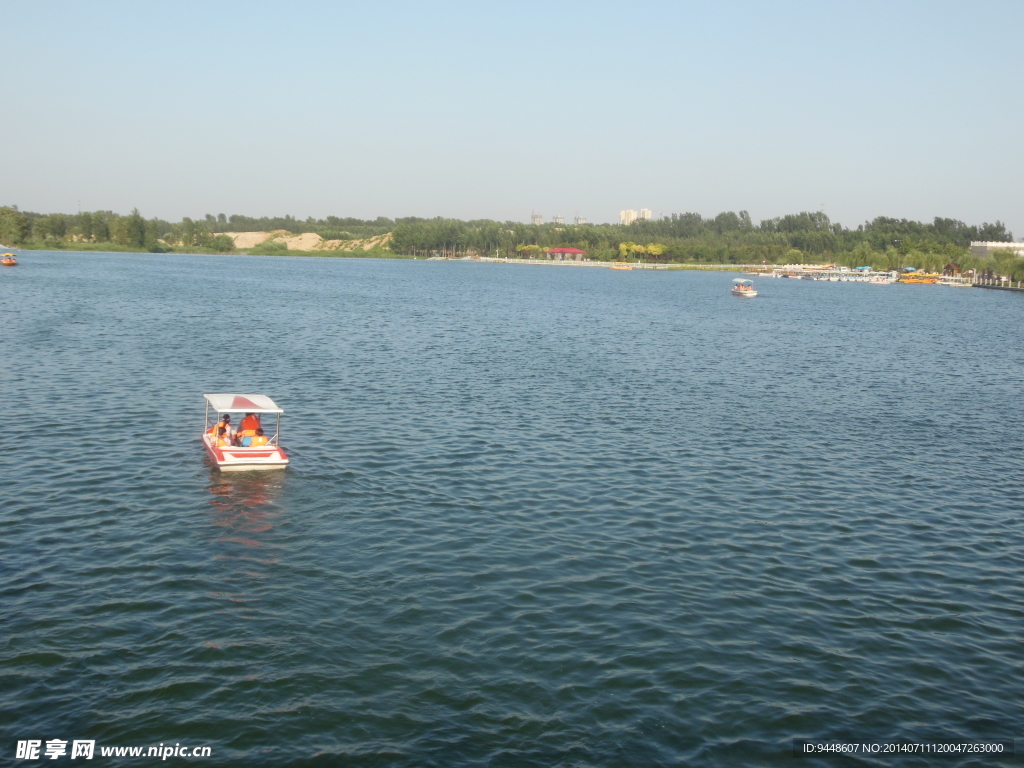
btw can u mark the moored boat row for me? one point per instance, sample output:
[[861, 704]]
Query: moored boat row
[[834, 274]]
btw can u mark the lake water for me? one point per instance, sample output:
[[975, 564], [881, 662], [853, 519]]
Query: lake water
[[535, 516]]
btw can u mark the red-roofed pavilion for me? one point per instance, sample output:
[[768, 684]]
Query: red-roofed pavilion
[[566, 253]]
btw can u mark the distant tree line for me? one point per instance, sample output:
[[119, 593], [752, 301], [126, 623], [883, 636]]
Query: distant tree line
[[62, 229], [133, 231], [728, 238]]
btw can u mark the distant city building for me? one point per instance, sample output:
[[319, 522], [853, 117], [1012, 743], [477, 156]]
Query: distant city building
[[536, 218], [628, 217], [984, 249], [558, 220], [579, 220]]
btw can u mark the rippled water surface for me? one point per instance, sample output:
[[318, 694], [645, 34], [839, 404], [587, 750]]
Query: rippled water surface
[[535, 516]]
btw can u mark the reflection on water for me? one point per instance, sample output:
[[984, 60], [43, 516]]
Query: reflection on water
[[245, 509], [245, 502]]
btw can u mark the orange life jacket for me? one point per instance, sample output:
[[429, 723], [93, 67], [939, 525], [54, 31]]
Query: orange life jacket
[[213, 430], [250, 422], [260, 440], [247, 433]]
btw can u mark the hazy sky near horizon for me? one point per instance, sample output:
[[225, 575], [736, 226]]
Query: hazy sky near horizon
[[491, 110]]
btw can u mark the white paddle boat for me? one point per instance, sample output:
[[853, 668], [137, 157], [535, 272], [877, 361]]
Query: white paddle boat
[[244, 452], [743, 287]]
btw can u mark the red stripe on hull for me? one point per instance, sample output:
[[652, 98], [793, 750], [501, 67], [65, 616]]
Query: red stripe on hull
[[235, 455]]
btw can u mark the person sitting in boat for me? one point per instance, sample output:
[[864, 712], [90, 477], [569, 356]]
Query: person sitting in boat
[[250, 424], [223, 439], [225, 422], [247, 428], [248, 437], [258, 439]]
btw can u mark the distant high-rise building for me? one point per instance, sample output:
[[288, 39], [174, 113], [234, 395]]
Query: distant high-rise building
[[627, 217], [536, 218], [558, 220], [645, 214], [579, 220]]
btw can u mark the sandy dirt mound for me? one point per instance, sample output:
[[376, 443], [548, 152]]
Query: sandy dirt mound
[[308, 241], [367, 244], [245, 240]]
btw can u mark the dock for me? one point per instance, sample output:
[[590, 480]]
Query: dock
[[996, 285]]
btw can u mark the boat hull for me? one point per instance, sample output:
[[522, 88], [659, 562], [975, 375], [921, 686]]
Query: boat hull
[[236, 459], [747, 294]]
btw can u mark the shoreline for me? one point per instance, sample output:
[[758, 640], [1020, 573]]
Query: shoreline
[[756, 270]]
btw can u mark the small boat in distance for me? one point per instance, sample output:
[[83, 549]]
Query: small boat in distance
[[743, 287], [8, 260], [245, 452], [622, 265]]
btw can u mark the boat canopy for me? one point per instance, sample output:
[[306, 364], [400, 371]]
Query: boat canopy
[[242, 404], [864, 269], [740, 280]]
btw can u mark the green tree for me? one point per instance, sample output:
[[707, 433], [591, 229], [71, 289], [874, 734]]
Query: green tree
[[119, 230], [221, 243], [58, 225], [656, 250], [188, 232], [863, 256], [101, 229], [727, 221], [269, 248], [14, 226], [85, 225], [1007, 262], [135, 229], [152, 234], [42, 228], [529, 251]]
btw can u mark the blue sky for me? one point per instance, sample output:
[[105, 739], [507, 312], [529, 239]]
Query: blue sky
[[472, 110]]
